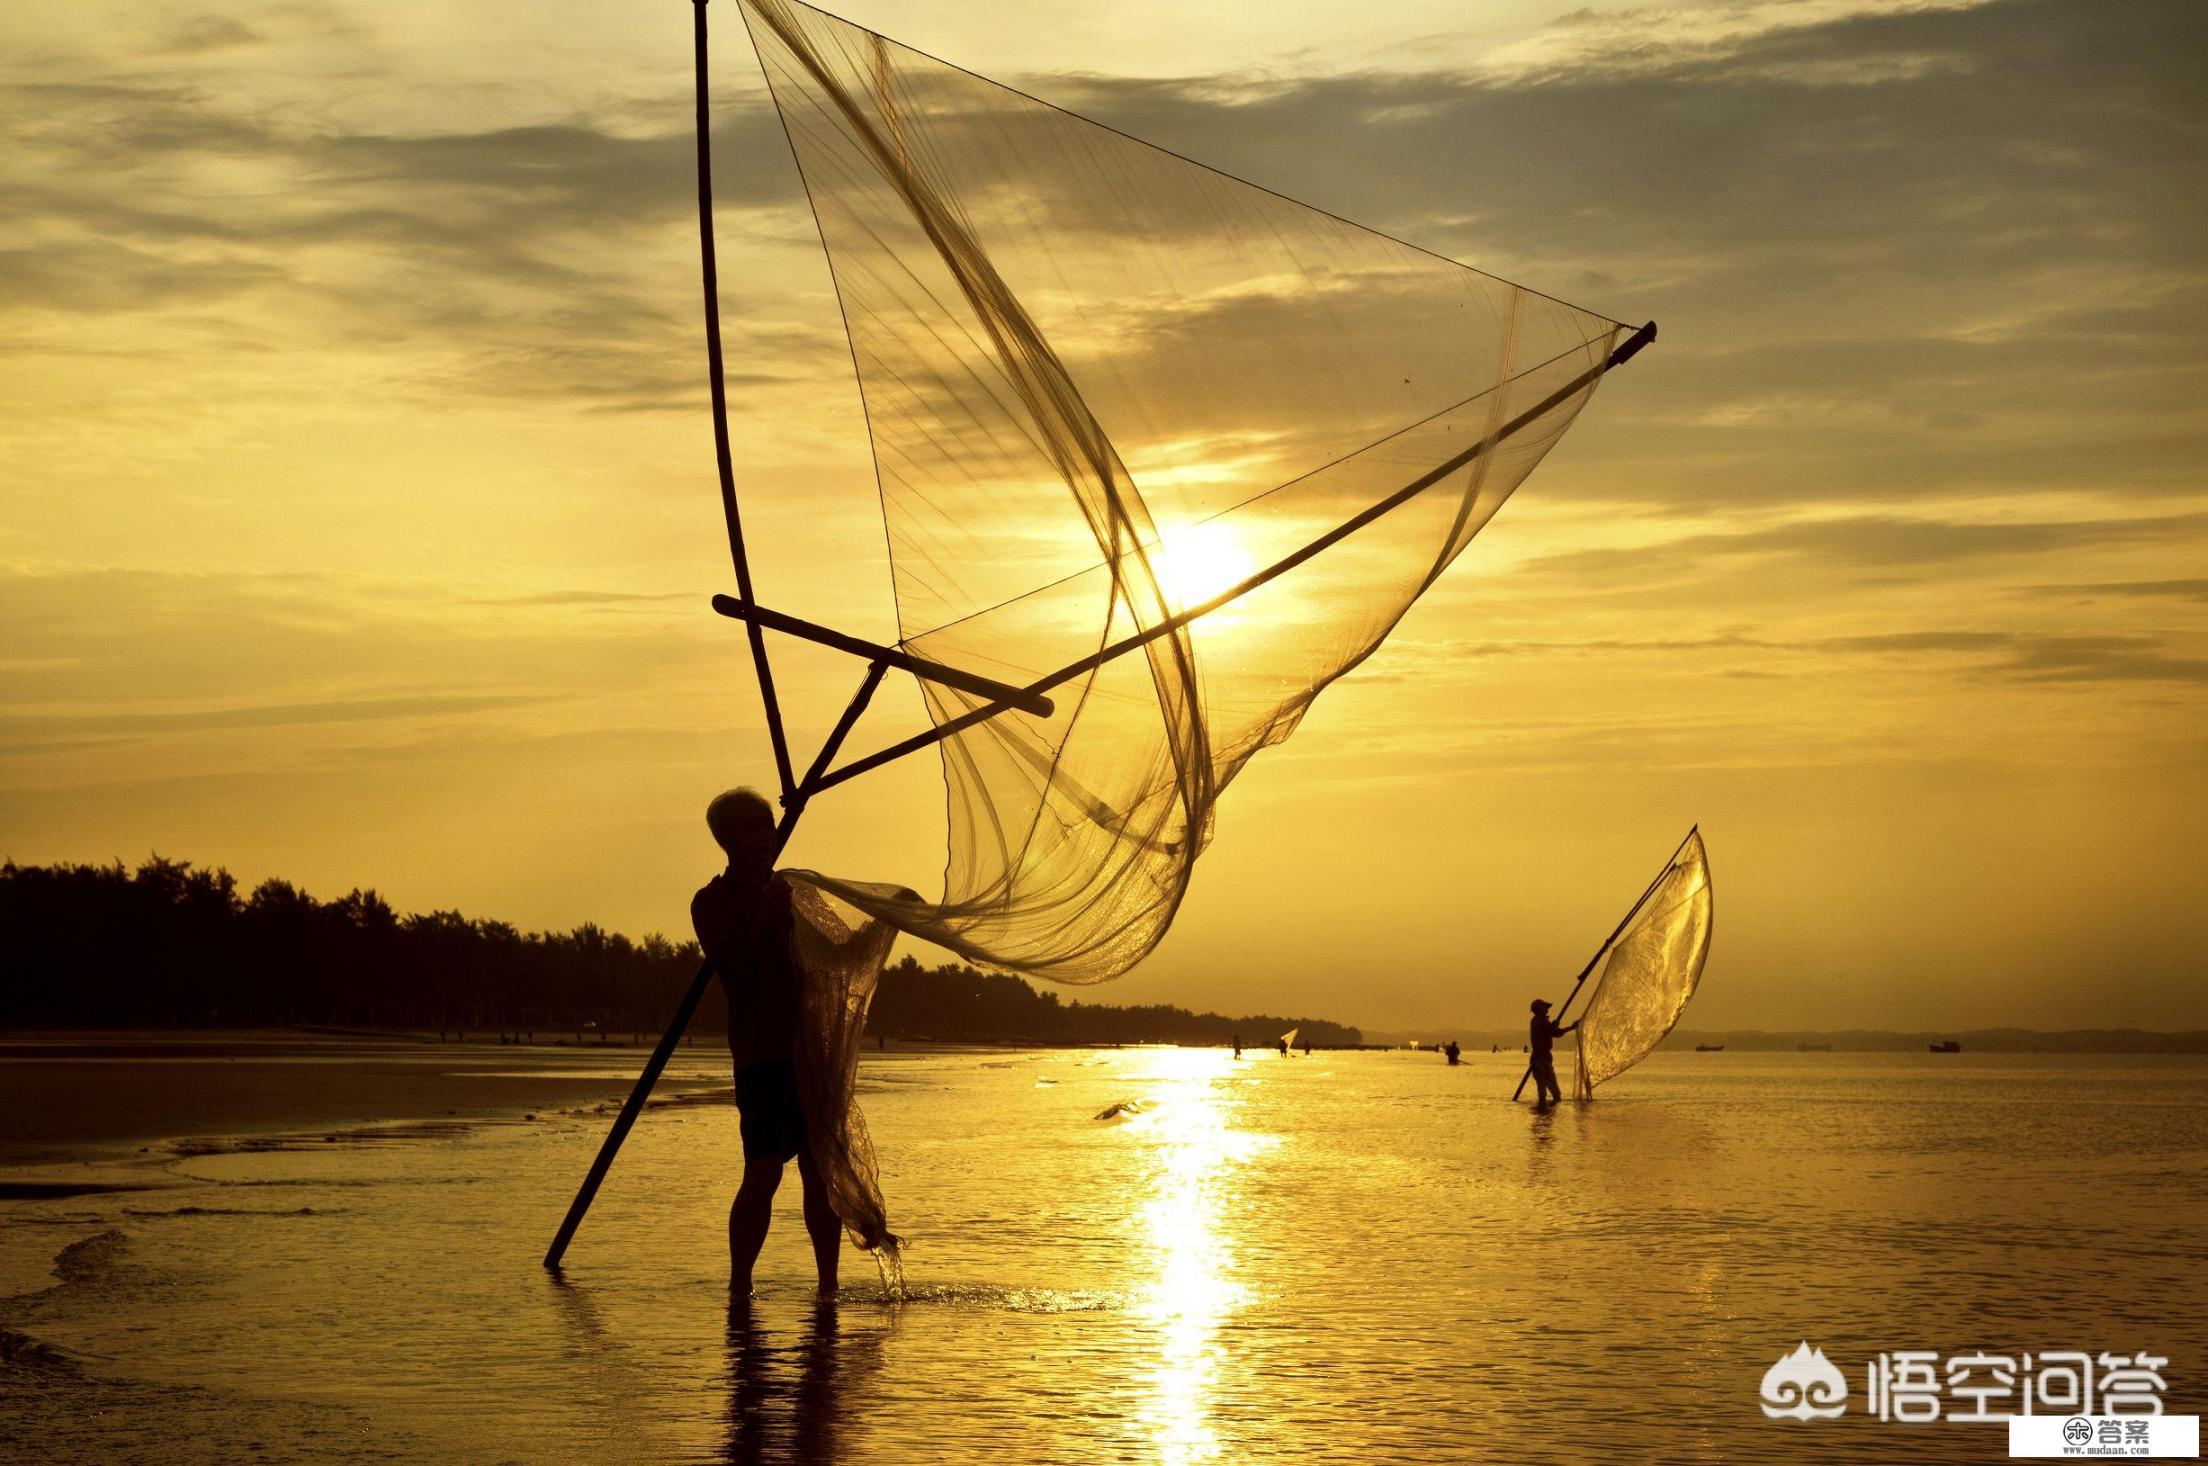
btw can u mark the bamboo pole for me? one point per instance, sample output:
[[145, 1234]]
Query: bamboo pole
[[717, 382], [888, 656]]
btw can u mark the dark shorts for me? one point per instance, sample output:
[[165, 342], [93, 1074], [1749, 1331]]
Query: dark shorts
[[773, 1120]]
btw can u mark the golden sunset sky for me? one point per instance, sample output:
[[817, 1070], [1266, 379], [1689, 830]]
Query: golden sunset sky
[[359, 513]]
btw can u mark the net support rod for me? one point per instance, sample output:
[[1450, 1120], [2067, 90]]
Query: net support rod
[[718, 384], [921, 667], [1616, 932], [841, 731], [1623, 353], [633, 1106]]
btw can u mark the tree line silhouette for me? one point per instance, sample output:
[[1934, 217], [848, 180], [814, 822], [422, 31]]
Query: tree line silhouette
[[174, 945]]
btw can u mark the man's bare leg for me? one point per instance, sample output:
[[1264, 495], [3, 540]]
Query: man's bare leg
[[748, 1216], [820, 1221]]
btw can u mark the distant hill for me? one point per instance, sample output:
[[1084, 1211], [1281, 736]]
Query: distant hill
[[1865, 1040], [1973, 1040]]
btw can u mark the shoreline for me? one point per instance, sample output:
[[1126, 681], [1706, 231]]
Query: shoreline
[[134, 1094], [161, 1093]]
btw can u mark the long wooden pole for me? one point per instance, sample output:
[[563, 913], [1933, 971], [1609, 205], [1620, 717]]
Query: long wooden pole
[[1618, 931], [887, 656], [630, 1109], [718, 383]]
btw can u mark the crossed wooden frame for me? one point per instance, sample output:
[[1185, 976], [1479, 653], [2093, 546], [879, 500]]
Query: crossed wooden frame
[[1032, 698]]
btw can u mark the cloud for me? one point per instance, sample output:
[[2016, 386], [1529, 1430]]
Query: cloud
[[2103, 659], [2016, 656], [141, 649], [574, 176], [589, 598], [2182, 590], [204, 33], [1879, 542], [26, 731], [1659, 39], [1894, 232], [99, 276], [516, 247]]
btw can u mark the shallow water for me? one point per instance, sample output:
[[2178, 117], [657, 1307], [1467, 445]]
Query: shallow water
[[1354, 1257]]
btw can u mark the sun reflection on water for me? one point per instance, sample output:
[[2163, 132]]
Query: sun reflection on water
[[1190, 1233]]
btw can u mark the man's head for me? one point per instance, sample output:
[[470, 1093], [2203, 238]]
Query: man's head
[[1540, 1005], [743, 825]]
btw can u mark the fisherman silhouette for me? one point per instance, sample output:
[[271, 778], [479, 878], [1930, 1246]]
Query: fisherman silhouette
[[1453, 1051], [1238, 1046], [1545, 1032], [744, 923]]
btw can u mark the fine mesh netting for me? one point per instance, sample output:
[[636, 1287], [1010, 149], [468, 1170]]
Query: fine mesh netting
[[841, 954], [1104, 385], [1108, 388], [1652, 971]]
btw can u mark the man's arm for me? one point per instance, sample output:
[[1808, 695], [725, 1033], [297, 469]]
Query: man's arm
[[1567, 1028]]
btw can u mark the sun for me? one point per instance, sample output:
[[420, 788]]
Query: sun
[[1200, 561]]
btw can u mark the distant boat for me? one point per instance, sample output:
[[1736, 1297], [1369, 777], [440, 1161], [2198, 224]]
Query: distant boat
[[1709, 1048], [1814, 1048], [1947, 1046]]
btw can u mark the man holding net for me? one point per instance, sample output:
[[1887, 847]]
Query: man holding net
[[1541, 1043], [745, 924]]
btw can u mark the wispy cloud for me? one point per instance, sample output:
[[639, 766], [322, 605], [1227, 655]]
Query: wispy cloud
[[1882, 544], [2014, 655], [34, 728], [2179, 590]]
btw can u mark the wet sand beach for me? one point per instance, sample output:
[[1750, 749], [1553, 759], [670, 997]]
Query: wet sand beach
[[1130, 1255], [126, 1091]]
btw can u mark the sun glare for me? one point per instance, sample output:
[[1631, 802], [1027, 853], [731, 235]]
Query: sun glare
[[1200, 561], [1192, 1227]]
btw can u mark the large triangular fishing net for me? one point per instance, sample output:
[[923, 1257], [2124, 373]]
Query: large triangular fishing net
[[1652, 971], [1104, 385]]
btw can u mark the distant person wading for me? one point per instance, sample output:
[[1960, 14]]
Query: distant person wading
[[1544, 1035], [744, 923]]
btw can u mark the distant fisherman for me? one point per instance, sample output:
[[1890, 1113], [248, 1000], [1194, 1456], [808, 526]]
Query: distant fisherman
[[1545, 1033], [744, 923]]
